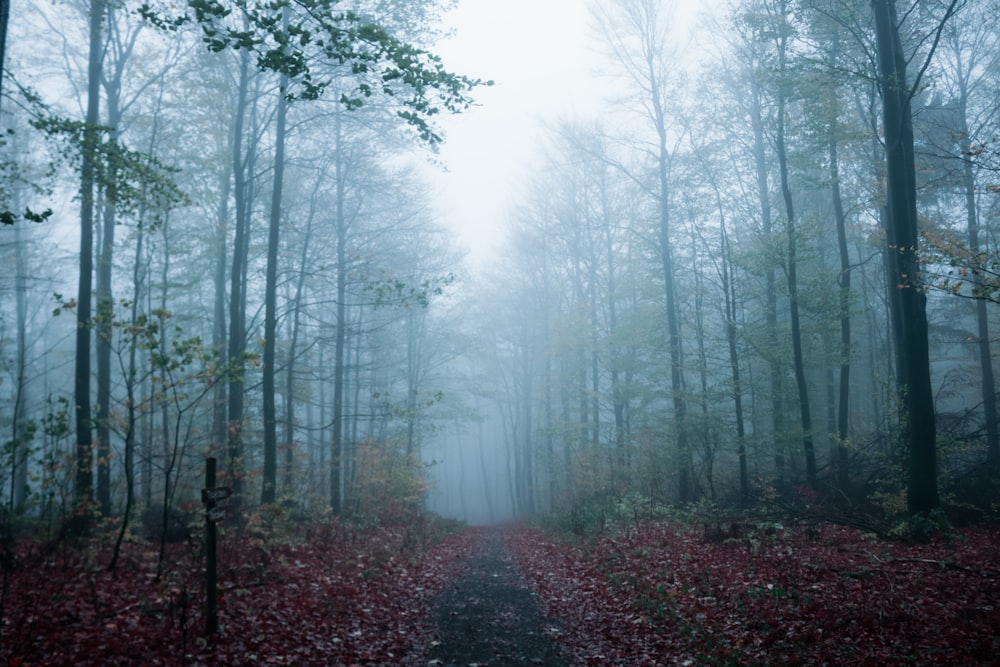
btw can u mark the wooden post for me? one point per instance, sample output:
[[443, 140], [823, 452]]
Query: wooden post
[[211, 563]]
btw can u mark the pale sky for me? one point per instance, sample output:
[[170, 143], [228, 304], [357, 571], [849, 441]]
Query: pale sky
[[536, 53], [542, 56]]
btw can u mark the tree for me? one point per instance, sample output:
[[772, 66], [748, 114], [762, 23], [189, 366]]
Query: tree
[[971, 50], [88, 183], [637, 33], [4, 22], [270, 472], [243, 160], [908, 302], [752, 55], [783, 34]]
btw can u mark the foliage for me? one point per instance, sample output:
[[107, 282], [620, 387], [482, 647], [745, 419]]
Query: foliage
[[18, 174], [950, 266], [323, 592], [301, 38], [318, 596], [925, 527], [816, 594], [9, 217], [139, 180], [389, 485], [605, 513], [393, 292]]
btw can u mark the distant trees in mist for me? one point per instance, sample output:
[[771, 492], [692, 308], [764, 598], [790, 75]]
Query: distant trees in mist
[[766, 274]]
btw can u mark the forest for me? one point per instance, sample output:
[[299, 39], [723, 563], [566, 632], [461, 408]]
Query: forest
[[746, 312]]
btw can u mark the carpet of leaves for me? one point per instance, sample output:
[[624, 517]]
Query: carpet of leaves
[[819, 595], [328, 597]]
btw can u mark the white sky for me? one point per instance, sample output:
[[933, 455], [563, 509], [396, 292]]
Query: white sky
[[536, 53], [542, 56]]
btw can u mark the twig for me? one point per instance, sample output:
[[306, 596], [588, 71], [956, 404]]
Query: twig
[[947, 565]]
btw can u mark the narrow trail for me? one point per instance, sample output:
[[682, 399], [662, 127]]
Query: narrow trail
[[489, 617]]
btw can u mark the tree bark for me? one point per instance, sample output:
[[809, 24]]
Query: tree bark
[[908, 304], [843, 402], [337, 440], [270, 472], [84, 478], [104, 295], [237, 294], [791, 259], [989, 392]]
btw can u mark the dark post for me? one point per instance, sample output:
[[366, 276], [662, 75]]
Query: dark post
[[211, 580]]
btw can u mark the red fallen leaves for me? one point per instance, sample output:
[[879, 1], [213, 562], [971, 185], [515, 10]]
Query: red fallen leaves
[[826, 595], [657, 596], [332, 600]]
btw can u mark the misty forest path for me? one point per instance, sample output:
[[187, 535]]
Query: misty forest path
[[489, 616]]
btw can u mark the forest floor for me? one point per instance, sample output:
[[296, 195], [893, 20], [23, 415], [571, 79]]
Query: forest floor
[[489, 616], [651, 594]]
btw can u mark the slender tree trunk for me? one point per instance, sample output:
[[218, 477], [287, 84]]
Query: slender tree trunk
[[776, 372], [412, 379], [105, 300], [20, 437], [483, 472], [707, 432], [4, 22], [220, 398], [131, 411], [843, 402], [595, 359], [729, 289], [84, 488], [527, 457], [685, 485], [792, 271], [293, 346], [337, 442], [270, 472], [619, 399], [237, 295], [548, 379], [989, 392]]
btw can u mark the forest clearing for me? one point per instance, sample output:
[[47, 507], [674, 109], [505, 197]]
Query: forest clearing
[[657, 593]]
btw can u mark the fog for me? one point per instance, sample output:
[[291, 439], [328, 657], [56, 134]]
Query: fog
[[650, 260]]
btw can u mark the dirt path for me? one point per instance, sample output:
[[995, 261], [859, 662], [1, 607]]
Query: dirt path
[[489, 616]]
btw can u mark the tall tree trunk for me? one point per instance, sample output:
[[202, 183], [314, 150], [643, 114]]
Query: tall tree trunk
[[293, 345], [844, 279], [527, 442], [133, 415], [220, 397], [20, 437], [84, 487], [792, 267], [909, 301], [707, 432], [989, 392], [412, 379], [484, 476], [619, 398], [270, 473], [4, 22], [729, 289], [103, 294], [685, 485], [776, 372], [237, 295], [337, 441], [131, 405]]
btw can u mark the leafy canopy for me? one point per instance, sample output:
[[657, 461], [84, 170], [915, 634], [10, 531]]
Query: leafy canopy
[[315, 42]]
